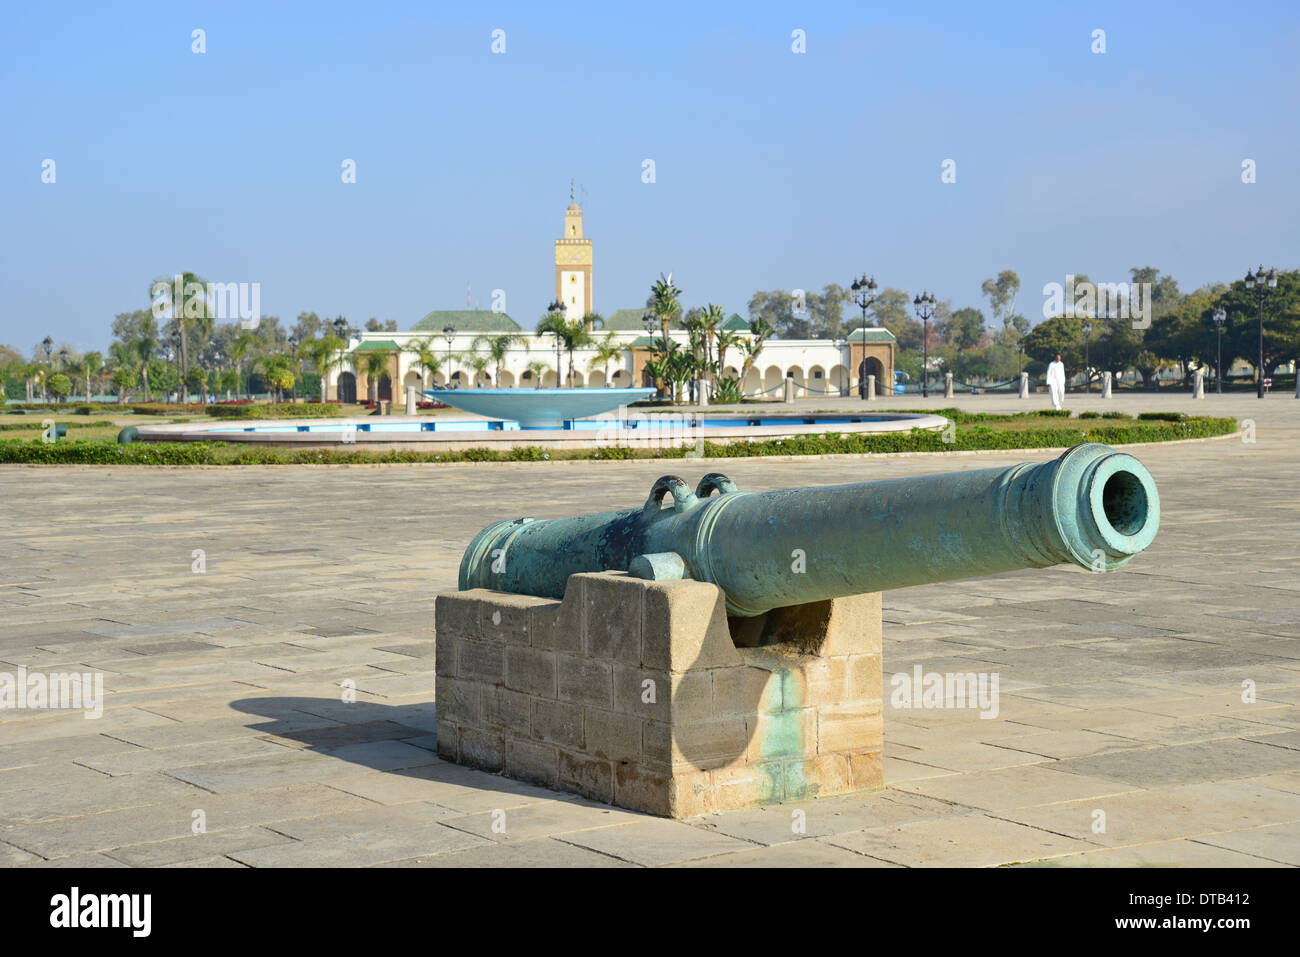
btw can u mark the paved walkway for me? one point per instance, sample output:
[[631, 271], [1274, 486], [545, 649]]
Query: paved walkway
[[1122, 736]]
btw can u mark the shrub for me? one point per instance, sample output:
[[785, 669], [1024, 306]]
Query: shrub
[[284, 410], [1167, 416], [82, 452]]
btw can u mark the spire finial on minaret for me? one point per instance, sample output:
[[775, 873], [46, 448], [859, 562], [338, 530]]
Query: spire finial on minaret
[[571, 191]]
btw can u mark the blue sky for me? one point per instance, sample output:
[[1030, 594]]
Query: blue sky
[[773, 169]]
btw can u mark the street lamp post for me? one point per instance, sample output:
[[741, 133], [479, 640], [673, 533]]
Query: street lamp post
[[449, 333], [1258, 282], [924, 305], [1087, 342], [864, 294], [1220, 317]]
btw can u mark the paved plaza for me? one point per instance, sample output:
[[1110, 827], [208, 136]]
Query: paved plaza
[[1146, 717]]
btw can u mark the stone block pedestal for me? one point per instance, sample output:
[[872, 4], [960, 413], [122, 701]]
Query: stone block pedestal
[[643, 694]]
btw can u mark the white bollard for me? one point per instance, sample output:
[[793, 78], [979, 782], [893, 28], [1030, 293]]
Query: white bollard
[[789, 391], [1198, 384], [947, 385], [1105, 385], [1024, 385], [410, 400], [871, 387]]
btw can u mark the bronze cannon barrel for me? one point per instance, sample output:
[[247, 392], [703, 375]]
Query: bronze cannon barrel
[[1092, 506]]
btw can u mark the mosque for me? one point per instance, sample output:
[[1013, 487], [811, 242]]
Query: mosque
[[816, 366]]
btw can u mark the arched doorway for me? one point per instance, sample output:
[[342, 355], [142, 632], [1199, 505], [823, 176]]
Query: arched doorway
[[872, 366], [346, 390]]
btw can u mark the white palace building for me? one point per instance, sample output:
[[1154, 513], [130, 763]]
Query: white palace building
[[816, 366]]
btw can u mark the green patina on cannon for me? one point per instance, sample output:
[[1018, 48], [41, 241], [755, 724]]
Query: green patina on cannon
[[1092, 506]]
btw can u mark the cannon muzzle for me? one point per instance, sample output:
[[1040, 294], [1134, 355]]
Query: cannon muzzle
[[1092, 506]]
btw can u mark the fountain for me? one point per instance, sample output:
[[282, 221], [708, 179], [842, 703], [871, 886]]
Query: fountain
[[538, 408]]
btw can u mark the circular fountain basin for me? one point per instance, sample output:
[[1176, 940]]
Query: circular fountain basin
[[538, 408], [654, 429]]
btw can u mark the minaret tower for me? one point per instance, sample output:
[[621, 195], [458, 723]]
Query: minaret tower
[[573, 264]]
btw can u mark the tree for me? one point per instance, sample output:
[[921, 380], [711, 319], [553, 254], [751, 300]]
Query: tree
[[191, 317], [607, 350], [125, 379], [727, 340], [1281, 322], [1001, 292], [375, 365], [310, 326], [122, 358], [538, 368], [893, 310], [60, 385], [664, 302], [818, 316], [572, 333], [325, 355], [761, 330], [480, 364], [962, 330], [1060, 335], [246, 345], [278, 370], [92, 365], [499, 346], [196, 380], [426, 359]]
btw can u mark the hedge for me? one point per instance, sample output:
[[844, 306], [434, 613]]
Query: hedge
[[285, 410], [977, 438]]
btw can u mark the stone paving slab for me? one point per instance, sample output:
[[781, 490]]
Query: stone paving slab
[[225, 692]]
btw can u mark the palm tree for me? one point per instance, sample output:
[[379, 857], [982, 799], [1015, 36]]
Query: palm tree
[[664, 301], [245, 344], [751, 347], [92, 364], [278, 370], [538, 368], [202, 321], [123, 363], [607, 350], [375, 366], [427, 359], [326, 355], [726, 340], [499, 345], [712, 318], [573, 335], [480, 366]]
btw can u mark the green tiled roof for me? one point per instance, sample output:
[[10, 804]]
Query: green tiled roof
[[874, 334], [467, 320], [735, 324], [624, 320], [377, 345], [642, 342]]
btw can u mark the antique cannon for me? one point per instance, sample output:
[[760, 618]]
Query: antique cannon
[[1092, 506]]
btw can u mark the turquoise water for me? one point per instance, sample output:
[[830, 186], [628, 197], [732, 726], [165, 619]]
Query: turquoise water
[[649, 423]]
